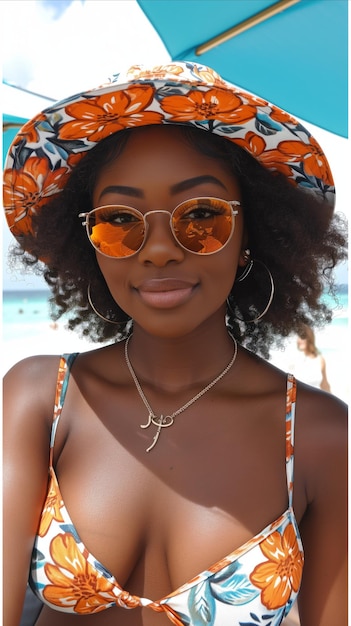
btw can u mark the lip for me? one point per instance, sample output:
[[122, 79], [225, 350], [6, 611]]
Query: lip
[[165, 293]]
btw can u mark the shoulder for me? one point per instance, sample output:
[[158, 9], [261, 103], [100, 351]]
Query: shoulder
[[32, 369], [320, 412], [29, 387], [321, 461], [321, 359], [321, 435], [28, 409]]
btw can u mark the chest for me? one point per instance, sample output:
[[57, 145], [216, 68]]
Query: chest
[[212, 483]]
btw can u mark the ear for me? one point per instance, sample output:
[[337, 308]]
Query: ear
[[245, 253], [244, 257]]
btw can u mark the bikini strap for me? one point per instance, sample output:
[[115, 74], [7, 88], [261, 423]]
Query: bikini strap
[[64, 370], [290, 434]]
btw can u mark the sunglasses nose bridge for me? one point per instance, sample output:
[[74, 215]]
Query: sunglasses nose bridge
[[157, 211], [146, 220]]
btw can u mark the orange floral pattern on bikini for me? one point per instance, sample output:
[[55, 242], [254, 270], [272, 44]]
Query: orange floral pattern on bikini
[[281, 573], [52, 509], [74, 581]]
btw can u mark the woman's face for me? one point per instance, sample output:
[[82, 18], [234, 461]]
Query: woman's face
[[166, 289], [301, 344]]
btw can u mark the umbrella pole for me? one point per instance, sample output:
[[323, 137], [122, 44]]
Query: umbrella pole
[[262, 16]]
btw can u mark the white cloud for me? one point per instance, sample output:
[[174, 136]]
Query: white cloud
[[79, 49]]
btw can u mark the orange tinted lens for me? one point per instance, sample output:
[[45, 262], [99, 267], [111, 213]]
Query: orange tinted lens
[[116, 231], [203, 225]]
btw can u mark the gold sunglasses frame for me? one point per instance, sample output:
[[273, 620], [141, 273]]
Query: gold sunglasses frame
[[143, 216]]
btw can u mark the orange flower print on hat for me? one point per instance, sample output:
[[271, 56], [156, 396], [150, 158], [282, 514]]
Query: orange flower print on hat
[[214, 104], [281, 573], [96, 118], [207, 75], [308, 156], [253, 143], [23, 189], [180, 92], [315, 162], [157, 72], [29, 132]]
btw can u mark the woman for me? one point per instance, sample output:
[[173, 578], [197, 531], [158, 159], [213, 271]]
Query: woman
[[310, 365], [174, 446]]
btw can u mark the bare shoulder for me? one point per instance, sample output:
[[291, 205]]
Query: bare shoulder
[[32, 364], [322, 414], [321, 485], [31, 383], [29, 388], [321, 429], [32, 369], [321, 438]]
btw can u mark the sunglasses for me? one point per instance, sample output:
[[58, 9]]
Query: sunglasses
[[199, 225]]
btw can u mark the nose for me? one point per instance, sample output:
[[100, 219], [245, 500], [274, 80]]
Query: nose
[[160, 247]]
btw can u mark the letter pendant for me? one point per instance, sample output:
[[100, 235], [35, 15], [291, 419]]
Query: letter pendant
[[148, 423], [159, 423], [164, 421]]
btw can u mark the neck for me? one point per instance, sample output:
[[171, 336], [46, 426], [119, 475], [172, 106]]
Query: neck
[[175, 363]]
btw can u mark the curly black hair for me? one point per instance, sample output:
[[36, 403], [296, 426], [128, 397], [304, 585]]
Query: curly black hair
[[290, 231]]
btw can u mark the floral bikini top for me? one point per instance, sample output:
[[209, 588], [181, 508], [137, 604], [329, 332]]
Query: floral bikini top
[[255, 584]]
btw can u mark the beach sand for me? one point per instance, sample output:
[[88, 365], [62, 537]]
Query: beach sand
[[50, 339]]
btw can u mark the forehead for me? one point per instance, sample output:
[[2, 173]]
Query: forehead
[[158, 153]]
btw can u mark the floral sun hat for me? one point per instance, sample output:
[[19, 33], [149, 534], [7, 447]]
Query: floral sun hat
[[48, 147]]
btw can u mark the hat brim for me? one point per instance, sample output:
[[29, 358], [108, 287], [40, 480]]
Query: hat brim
[[48, 147]]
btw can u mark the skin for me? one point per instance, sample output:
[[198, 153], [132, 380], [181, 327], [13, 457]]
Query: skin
[[156, 520]]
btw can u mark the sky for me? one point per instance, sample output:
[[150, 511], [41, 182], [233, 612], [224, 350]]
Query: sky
[[59, 47]]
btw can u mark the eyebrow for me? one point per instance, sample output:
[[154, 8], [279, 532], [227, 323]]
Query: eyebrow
[[197, 180], [135, 192], [124, 190]]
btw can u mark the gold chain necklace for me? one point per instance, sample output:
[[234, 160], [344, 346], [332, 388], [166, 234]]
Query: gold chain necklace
[[164, 421]]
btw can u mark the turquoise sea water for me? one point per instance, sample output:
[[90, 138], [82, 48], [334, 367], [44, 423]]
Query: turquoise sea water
[[24, 312], [27, 312]]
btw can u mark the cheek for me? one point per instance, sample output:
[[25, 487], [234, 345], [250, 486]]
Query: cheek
[[114, 272], [221, 270], [228, 259]]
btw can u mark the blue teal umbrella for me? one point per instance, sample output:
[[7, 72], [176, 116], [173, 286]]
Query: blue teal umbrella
[[10, 127], [16, 98], [292, 52]]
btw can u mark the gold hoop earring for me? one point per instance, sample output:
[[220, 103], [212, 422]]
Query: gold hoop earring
[[248, 267], [246, 272], [106, 319], [241, 278]]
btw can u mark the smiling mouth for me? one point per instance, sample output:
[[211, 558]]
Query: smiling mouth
[[165, 293]]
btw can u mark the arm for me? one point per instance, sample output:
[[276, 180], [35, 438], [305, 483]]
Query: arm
[[324, 384], [29, 390], [323, 597]]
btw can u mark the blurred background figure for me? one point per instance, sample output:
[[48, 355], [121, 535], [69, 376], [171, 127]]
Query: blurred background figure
[[309, 365]]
